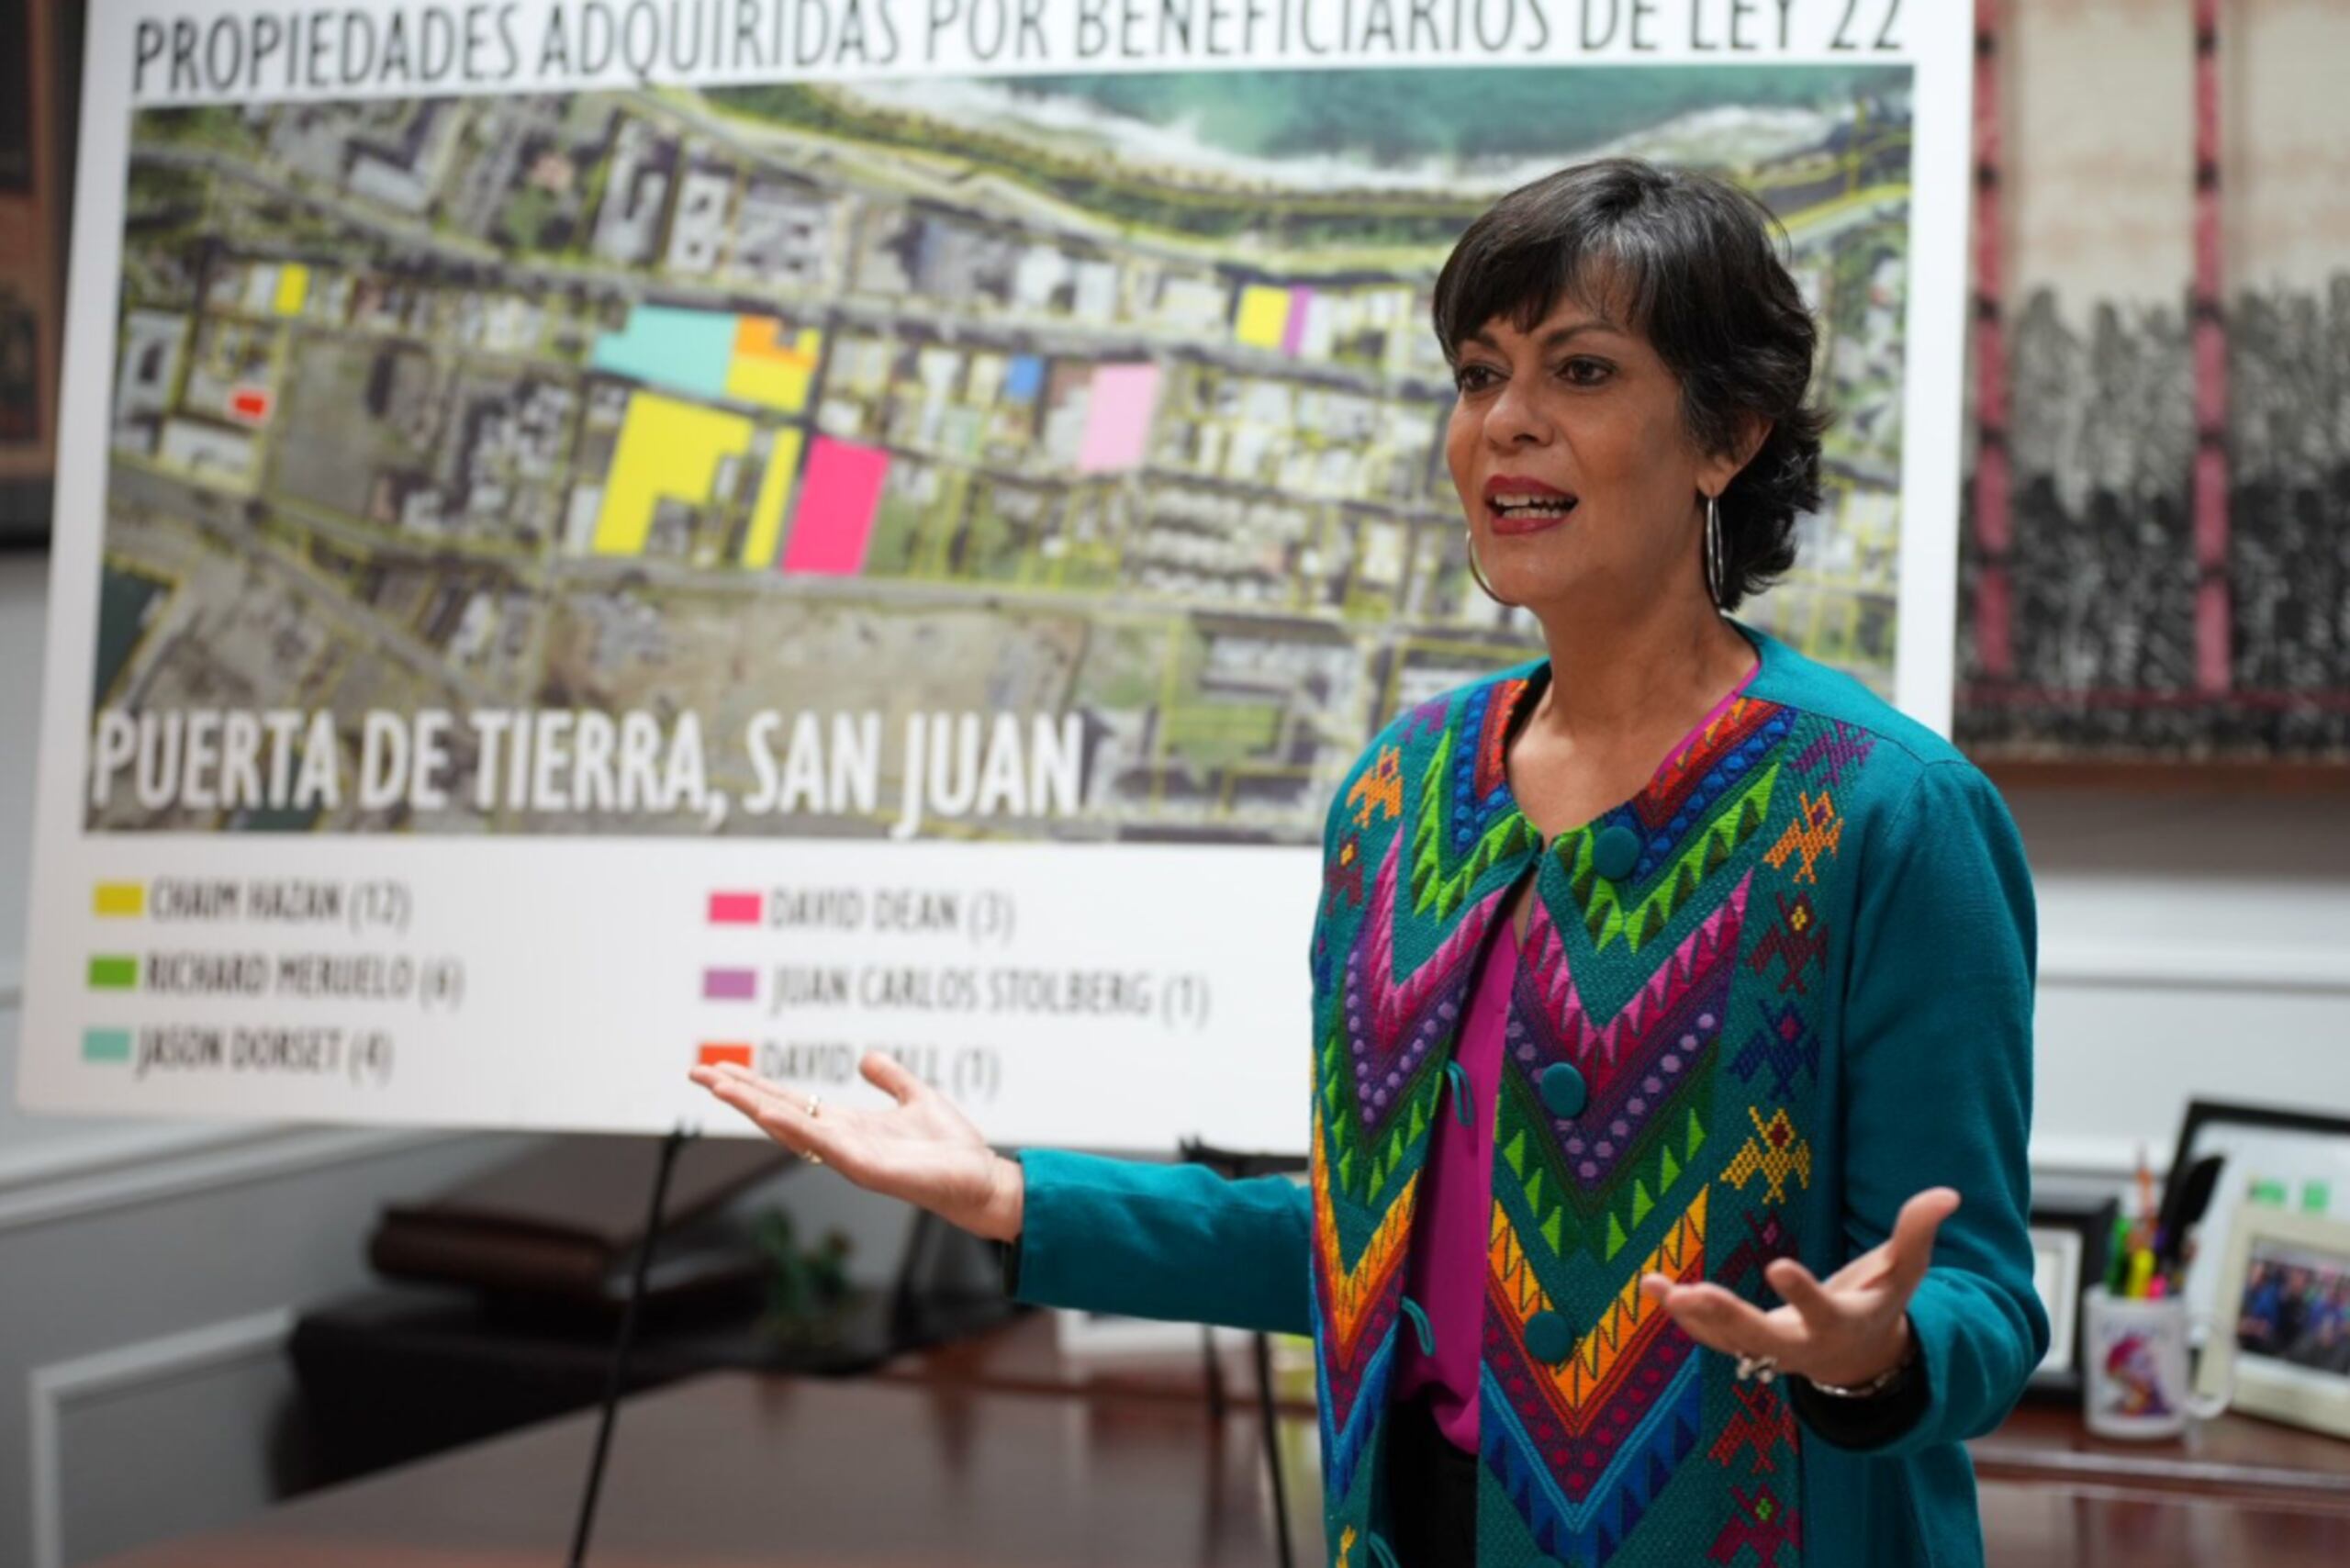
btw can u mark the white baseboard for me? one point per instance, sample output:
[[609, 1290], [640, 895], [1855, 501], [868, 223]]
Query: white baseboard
[[52, 1389]]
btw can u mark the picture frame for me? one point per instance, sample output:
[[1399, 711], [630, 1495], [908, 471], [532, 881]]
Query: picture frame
[[40, 50], [2293, 1159], [2284, 1346], [2071, 1239]]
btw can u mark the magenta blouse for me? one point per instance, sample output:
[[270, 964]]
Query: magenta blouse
[[1445, 1274]]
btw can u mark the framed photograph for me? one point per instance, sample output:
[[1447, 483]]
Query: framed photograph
[[39, 51], [18, 82], [2285, 1320], [2296, 1162], [2071, 1238]]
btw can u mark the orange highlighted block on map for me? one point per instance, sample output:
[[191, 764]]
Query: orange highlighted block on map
[[772, 365]]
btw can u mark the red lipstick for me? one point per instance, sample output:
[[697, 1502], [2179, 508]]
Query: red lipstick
[[1518, 505]]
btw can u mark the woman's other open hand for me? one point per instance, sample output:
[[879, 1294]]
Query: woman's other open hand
[[922, 1149], [1844, 1330]]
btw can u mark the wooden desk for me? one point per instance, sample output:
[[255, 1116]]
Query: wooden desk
[[2235, 1456], [939, 1471], [733, 1468]]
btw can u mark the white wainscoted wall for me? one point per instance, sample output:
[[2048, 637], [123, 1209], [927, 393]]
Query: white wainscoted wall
[[149, 1272], [2189, 947]]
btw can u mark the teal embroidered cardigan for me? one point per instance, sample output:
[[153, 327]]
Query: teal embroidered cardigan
[[1778, 991]]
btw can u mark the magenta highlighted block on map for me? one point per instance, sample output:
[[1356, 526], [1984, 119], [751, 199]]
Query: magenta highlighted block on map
[[730, 985], [1117, 417], [837, 501], [1301, 302]]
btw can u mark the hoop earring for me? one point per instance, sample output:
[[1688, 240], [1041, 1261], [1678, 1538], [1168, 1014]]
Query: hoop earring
[[1469, 543], [1715, 564]]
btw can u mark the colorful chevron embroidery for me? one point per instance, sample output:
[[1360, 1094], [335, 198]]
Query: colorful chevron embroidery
[[1684, 995], [1492, 726], [1585, 1447], [1591, 1374], [1394, 1028], [1675, 875], [1633, 1063], [1467, 824], [1355, 1309], [1776, 1152], [1352, 1292]]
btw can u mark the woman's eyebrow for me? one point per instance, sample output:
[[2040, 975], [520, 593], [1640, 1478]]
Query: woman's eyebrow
[[1555, 336]]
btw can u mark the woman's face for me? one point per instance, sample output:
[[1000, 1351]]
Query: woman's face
[[1575, 471]]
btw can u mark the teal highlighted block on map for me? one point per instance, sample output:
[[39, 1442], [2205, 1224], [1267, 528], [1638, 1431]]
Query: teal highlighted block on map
[[105, 1045], [686, 351]]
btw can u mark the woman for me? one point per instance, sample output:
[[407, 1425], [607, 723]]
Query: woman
[[1669, 990]]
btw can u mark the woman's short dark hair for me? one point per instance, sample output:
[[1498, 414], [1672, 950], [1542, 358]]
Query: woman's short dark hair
[[1693, 265]]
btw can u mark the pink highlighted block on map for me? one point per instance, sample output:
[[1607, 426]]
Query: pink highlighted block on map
[[837, 499], [1117, 417], [1301, 307]]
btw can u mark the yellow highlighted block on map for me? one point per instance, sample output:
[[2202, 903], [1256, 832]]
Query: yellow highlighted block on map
[[293, 288], [120, 899], [1264, 316], [772, 365], [668, 450], [775, 488]]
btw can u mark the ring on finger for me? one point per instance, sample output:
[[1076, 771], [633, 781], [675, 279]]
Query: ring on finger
[[1761, 1369], [814, 1101]]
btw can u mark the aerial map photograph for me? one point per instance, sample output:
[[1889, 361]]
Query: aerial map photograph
[[1109, 403]]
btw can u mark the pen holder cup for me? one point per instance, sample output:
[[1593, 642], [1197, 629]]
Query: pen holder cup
[[2135, 1379]]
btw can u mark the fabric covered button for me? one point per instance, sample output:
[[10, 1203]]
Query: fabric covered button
[[1563, 1089], [1548, 1339], [1618, 851]]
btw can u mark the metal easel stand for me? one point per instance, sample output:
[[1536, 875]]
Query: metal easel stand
[[1234, 1166], [617, 1377]]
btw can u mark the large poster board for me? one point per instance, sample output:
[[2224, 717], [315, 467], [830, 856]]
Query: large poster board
[[595, 534]]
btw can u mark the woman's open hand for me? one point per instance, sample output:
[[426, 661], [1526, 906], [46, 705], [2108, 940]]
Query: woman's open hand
[[922, 1149], [1843, 1330]]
